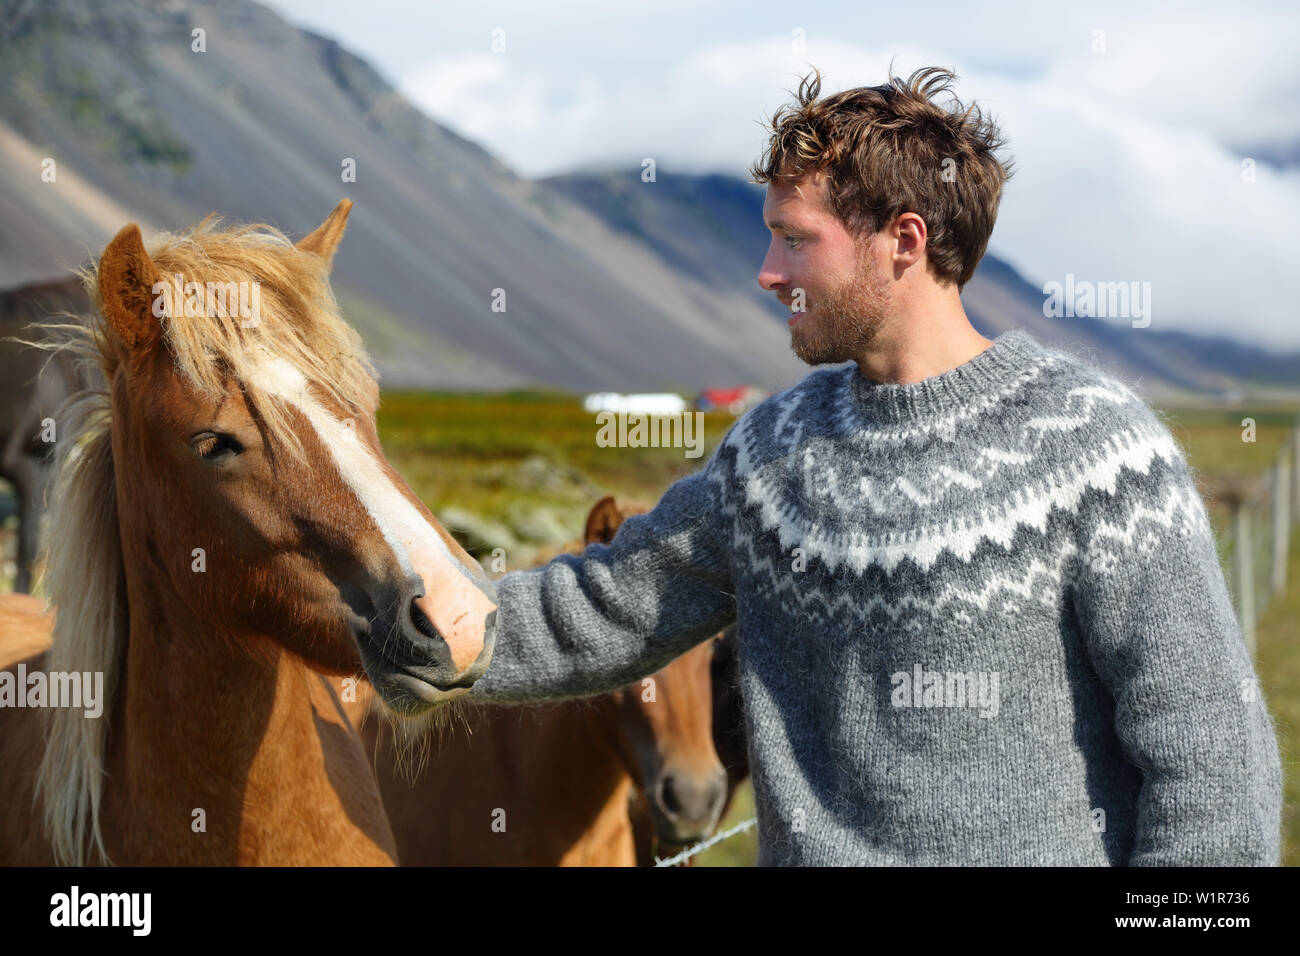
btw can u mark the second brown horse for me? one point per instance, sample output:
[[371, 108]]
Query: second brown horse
[[551, 784]]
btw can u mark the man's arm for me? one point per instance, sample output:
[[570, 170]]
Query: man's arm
[[587, 624], [1160, 630]]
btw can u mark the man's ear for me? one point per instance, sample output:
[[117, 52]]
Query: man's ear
[[326, 237], [127, 279]]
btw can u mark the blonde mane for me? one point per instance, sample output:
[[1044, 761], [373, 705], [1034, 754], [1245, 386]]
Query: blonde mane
[[83, 575]]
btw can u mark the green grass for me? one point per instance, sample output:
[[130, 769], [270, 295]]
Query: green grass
[[500, 456], [741, 849], [465, 451], [1218, 452], [1216, 442], [1213, 441], [506, 457], [1277, 659]]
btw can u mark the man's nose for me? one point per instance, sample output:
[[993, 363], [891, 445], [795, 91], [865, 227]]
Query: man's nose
[[770, 275]]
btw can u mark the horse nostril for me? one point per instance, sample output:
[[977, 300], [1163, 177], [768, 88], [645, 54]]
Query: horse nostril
[[422, 622], [668, 796]]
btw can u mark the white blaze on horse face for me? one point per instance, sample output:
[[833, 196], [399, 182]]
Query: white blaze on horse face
[[453, 604]]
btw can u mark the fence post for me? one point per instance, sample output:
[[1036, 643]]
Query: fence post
[[1245, 573], [1281, 520], [1295, 471]]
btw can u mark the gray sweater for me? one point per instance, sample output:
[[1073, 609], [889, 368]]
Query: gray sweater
[[982, 621]]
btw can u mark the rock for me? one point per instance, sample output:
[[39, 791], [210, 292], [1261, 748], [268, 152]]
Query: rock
[[542, 525], [477, 535]]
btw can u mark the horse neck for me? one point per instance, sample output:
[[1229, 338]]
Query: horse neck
[[256, 741], [568, 745], [596, 722], [581, 745]]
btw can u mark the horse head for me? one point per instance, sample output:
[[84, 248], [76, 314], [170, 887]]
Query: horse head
[[665, 725], [232, 377]]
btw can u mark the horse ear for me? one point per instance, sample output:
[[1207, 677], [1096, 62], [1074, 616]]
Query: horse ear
[[326, 237], [127, 279], [603, 521]]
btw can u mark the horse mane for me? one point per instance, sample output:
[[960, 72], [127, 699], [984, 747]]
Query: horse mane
[[83, 575]]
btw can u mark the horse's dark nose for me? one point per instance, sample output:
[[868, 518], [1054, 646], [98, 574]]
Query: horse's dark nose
[[692, 802]]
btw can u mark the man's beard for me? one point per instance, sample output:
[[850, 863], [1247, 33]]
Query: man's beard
[[841, 323]]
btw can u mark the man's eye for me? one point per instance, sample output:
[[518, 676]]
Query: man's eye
[[213, 446], [792, 241]]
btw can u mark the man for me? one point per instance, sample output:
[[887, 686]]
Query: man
[[981, 614]]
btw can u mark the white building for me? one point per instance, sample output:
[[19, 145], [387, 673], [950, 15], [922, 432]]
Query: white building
[[649, 403]]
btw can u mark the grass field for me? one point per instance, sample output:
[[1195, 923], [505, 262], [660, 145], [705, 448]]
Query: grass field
[[509, 456], [1277, 659], [519, 472]]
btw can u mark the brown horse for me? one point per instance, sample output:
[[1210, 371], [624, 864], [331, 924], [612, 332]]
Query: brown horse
[[224, 532], [728, 741], [652, 838], [549, 784], [33, 384]]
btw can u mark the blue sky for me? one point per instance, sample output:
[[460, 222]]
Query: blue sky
[[1129, 122]]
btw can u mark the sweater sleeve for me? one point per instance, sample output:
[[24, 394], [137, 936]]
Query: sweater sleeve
[[1161, 633], [591, 623]]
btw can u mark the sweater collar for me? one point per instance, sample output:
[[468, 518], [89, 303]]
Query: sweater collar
[[1010, 353]]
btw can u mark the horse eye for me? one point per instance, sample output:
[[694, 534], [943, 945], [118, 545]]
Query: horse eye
[[213, 446]]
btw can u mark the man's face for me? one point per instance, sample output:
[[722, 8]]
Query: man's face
[[844, 282]]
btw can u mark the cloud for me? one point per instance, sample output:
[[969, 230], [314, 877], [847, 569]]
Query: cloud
[[1129, 160], [1231, 73], [1108, 195]]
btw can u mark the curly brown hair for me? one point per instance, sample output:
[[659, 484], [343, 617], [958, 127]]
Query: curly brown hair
[[886, 150]]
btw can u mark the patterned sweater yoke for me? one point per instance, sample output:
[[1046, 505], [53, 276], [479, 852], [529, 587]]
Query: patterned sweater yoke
[[981, 620]]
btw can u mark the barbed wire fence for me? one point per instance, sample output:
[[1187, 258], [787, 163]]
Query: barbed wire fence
[[698, 848], [1255, 551], [1257, 542]]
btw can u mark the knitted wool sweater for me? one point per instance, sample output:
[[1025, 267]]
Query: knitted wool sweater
[[981, 620]]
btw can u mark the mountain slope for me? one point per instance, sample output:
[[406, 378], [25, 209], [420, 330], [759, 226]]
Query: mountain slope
[[609, 282], [257, 127], [712, 227]]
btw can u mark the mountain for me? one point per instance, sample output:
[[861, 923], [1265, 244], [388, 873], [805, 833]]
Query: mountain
[[140, 126], [610, 282], [711, 227]]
